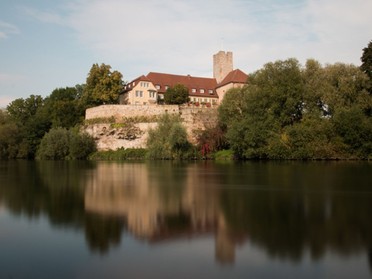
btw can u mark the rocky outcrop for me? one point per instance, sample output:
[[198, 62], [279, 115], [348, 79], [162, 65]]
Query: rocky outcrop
[[112, 137]]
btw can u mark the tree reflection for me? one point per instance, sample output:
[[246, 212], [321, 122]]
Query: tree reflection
[[287, 209], [314, 213], [102, 232]]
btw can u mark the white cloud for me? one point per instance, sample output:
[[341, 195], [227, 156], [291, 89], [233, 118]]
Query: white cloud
[[6, 29], [180, 36]]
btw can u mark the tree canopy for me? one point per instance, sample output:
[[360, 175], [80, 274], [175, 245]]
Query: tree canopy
[[102, 86], [176, 95], [292, 112], [366, 59]]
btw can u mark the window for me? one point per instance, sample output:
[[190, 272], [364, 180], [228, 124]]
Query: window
[[210, 91], [193, 90], [157, 86], [152, 94], [139, 93], [166, 87], [201, 90]]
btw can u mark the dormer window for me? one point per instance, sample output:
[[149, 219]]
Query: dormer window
[[193, 90], [166, 87], [201, 90], [157, 86], [210, 91]]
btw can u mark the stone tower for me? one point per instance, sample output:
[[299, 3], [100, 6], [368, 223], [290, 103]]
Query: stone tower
[[222, 65]]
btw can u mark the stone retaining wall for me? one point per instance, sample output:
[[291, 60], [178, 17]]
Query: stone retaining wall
[[120, 111], [108, 137]]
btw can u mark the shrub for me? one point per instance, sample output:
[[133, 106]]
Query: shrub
[[168, 140], [63, 144]]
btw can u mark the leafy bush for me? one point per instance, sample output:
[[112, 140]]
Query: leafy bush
[[63, 144], [168, 140]]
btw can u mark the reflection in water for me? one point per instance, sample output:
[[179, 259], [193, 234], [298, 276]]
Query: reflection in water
[[161, 203], [287, 209]]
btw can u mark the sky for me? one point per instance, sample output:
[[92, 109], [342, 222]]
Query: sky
[[46, 44]]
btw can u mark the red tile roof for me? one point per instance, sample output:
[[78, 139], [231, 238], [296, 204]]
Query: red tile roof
[[197, 83], [236, 76]]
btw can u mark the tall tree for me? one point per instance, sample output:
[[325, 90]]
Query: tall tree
[[367, 60], [102, 86], [21, 109], [63, 107], [32, 121]]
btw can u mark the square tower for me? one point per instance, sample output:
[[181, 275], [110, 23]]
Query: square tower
[[222, 65]]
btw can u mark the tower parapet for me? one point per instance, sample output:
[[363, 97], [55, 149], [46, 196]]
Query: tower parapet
[[222, 65]]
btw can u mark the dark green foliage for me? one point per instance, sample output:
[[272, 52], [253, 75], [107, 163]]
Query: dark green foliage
[[289, 112], [63, 144], [81, 145], [120, 154], [168, 140], [64, 108], [366, 59], [355, 130], [176, 95], [32, 123], [26, 121], [54, 145]]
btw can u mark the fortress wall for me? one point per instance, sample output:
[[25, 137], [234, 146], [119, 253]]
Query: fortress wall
[[108, 137], [120, 111]]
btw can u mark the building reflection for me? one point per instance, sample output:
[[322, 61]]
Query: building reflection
[[159, 204]]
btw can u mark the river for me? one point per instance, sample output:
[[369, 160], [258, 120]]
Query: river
[[185, 220]]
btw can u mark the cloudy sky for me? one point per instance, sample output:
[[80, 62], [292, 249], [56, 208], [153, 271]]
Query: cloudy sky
[[50, 44]]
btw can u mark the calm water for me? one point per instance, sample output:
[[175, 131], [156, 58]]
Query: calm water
[[185, 220]]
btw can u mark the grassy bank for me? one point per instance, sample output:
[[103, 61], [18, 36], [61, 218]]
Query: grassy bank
[[120, 154]]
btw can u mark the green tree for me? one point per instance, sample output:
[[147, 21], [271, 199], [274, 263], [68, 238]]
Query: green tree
[[345, 86], [32, 123], [290, 112], [62, 144], [81, 145], [176, 95], [20, 110], [366, 59], [54, 145], [64, 108], [168, 140], [102, 86], [10, 138]]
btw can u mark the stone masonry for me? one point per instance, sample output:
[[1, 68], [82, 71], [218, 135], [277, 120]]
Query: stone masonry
[[115, 127], [222, 65]]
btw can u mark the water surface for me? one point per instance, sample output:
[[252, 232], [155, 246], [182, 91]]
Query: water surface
[[185, 220]]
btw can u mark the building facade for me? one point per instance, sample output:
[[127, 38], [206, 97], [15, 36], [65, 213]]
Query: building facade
[[150, 89]]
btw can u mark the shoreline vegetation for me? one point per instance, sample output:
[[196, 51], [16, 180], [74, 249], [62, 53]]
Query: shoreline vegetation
[[286, 111], [141, 154]]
